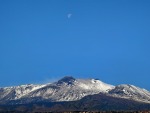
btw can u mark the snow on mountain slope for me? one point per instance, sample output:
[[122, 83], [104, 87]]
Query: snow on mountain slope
[[69, 89], [16, 92], [131, 92], [92, 84]]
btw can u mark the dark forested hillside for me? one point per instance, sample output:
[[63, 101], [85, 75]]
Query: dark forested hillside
[[98, 102]]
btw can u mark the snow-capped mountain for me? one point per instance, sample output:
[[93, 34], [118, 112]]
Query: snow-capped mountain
[[71, 89], [131, 92], [16, 92]]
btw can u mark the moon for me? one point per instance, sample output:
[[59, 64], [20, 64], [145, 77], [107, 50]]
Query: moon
[[69, 15]]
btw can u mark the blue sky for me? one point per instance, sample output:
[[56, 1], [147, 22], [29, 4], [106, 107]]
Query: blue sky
[[44, 40]]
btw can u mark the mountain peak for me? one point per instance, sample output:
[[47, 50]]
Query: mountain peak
[[71, 89], [66, 79]]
